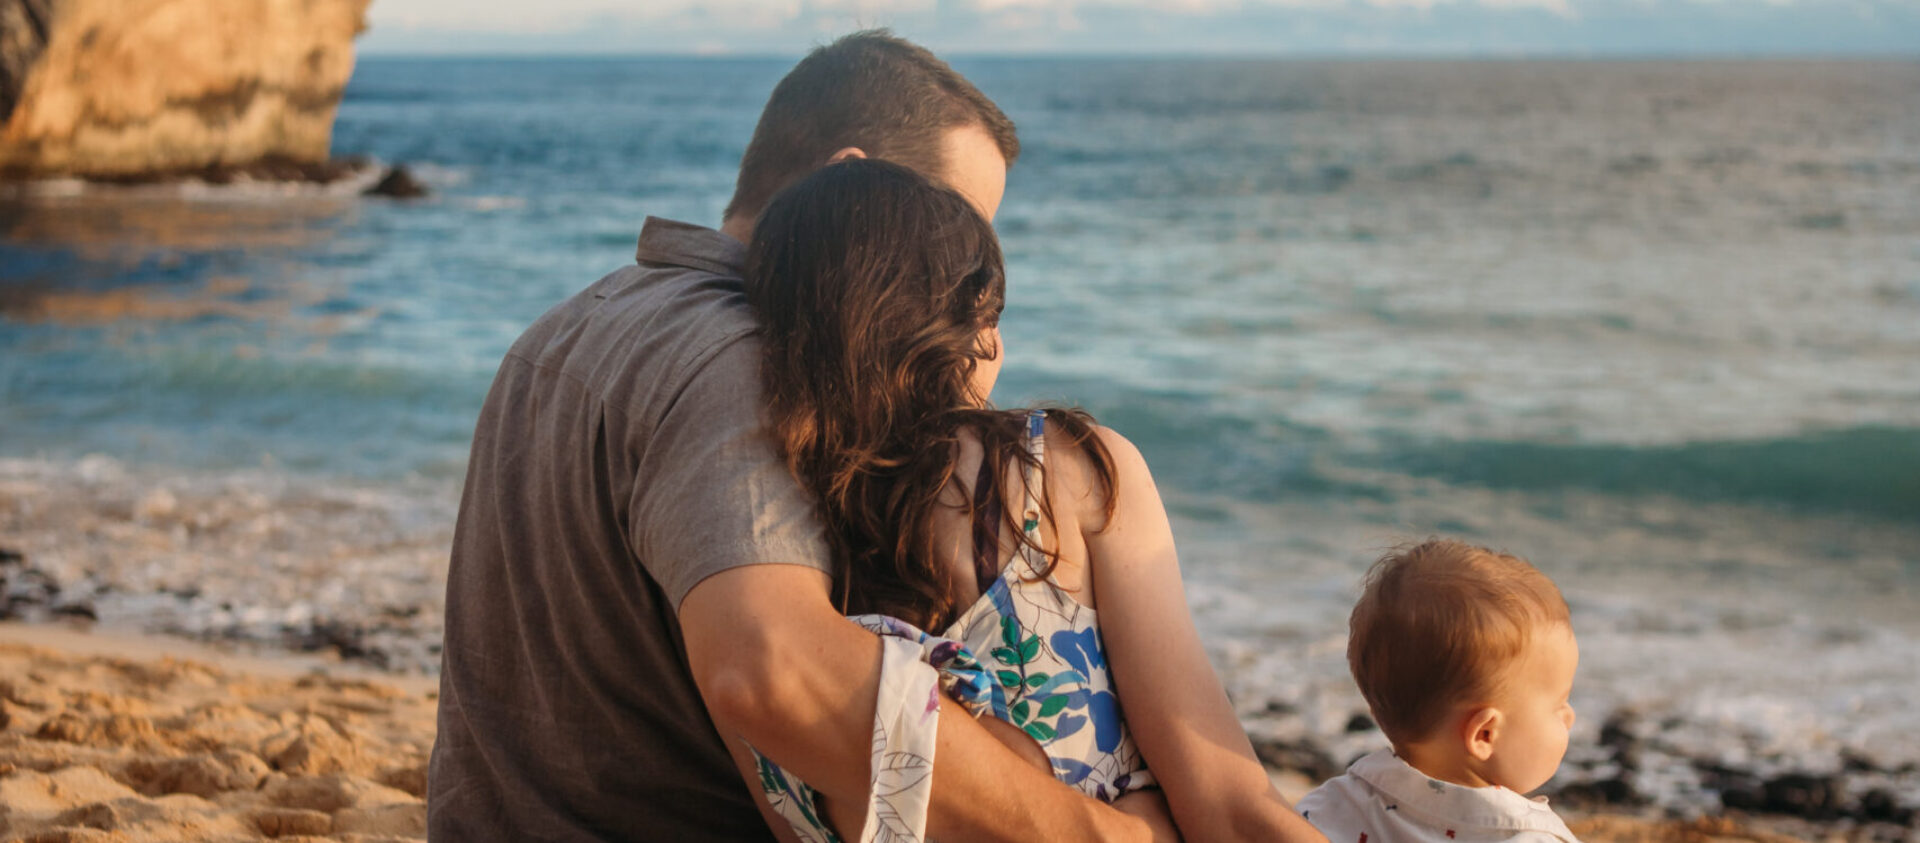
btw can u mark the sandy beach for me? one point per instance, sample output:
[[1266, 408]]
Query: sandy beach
[[121, 739], [107, 737]]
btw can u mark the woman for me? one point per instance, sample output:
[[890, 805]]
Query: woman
[[1004, 530]]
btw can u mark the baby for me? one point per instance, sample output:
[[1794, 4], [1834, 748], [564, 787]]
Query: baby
[[1466, 657]]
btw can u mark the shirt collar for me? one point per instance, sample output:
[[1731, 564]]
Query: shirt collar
[[677, 243], [1482, 807]]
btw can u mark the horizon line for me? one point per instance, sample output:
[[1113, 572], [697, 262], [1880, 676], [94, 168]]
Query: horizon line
[[1402, 55]]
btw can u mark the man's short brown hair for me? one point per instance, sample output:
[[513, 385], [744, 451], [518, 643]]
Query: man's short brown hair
[[887, 96], [1437, 625]]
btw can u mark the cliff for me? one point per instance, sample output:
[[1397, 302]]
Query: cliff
[[131, 89]]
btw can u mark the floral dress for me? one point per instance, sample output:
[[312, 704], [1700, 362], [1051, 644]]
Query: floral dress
[[1025, 652]]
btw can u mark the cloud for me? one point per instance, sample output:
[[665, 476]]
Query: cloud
[[1280, 27], [558, 15]]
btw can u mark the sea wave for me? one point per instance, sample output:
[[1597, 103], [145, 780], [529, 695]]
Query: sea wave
[[1866, 470]]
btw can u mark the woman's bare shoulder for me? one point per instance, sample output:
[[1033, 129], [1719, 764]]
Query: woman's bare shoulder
[[1075, 483]]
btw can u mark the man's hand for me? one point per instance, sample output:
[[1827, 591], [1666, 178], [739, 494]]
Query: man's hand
[[777, 664]]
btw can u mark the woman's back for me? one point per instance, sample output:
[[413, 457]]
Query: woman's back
[[1033, 624]]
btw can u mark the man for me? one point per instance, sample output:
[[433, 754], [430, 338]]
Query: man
[[633, 564]]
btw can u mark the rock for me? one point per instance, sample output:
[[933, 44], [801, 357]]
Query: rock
[[398, 183], [1617, 732], [1880, 805], [291, 822], [411, 780], [77, 608], [1599, 793], [156, 505], [120, 89], [200, 775], [73, 835], [113, 730], [23, 35], [329, 794], [1300, 756], [1804, 795], [107, 816], [349, 640], [51, 793], [325, 794], [400, 819], [313, 747], [1360, 723], [1738, 790], [24, 588]]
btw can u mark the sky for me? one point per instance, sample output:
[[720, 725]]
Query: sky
[[1146, 27]]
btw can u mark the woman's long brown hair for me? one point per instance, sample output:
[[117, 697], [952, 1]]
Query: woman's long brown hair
[[872, 285]]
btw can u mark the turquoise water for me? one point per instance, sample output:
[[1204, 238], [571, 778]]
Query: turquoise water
[[1655, 326]]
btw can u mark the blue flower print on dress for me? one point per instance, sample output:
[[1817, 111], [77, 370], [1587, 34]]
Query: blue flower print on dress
[[1081, 648], [1104, 708]]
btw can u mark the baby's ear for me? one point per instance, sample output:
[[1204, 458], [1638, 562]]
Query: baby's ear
[[1480, 730]]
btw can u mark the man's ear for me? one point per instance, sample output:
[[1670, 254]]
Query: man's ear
[[846, 153], [1481, 729]]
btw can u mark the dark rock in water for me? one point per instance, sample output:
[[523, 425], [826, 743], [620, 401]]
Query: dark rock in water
[[24, 589], [398, 183], [1803, 795], [1738, 790], [1618, 734], [1879, 805], [1854, 762], [1599, 793], [1281, 707], [1360, 723], [342, 638], [76, 609], [272, 168], [1302, 756]]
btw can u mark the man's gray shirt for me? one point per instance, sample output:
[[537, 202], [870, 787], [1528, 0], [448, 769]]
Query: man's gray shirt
[[618, 461]]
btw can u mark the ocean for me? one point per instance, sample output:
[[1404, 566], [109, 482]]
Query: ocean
[[1653, 325]]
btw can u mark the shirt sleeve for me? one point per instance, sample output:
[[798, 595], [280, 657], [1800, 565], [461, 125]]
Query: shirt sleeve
[[712, 492]]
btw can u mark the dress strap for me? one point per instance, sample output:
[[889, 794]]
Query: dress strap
[[1035, 476], [986, 501]]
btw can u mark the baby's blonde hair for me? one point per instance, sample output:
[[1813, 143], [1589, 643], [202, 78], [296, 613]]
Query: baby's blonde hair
[[1437, 624]]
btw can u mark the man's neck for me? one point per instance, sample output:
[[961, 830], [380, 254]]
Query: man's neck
[[738, 228]]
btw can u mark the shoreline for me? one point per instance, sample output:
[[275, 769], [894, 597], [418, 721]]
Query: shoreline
[[354, 175], [274, 575], [112, 736]]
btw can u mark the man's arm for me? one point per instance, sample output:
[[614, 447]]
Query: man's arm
[[775, 662]]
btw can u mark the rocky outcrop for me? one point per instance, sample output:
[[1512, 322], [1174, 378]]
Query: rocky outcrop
[[131, 89], [23, 34]]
